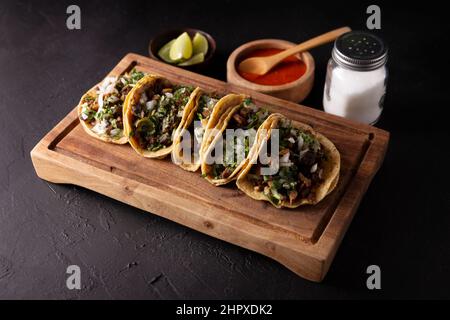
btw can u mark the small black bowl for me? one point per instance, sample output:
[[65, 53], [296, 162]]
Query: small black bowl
[[161, 39]]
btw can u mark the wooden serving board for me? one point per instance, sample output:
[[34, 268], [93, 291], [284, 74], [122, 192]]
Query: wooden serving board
[[305, 239]]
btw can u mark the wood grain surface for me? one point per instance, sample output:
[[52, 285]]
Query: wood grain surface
[[305, 239]]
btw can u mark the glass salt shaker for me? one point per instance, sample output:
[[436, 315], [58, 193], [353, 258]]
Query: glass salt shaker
[[355, 85]]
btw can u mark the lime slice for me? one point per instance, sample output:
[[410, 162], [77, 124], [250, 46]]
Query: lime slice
[[181, 48], [198, 58], [163, 53], [200, 44]]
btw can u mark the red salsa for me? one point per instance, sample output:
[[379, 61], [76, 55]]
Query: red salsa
[[290, 69]]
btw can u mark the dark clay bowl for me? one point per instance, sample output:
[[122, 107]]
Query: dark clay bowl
[[161, 39]]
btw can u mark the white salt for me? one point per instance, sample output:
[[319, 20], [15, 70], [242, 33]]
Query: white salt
[[357, 95]]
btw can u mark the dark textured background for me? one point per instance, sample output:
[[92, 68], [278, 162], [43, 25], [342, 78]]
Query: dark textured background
[[402, 224]]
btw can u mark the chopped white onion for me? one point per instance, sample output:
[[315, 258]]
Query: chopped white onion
[[84, 107], [300, 142], [284, 160], [285, 157], [151, 105], [113, 99], [107, 86], [249, 104], [291, 140], [253, 107], [169, 95], [316, 146], [210, 102], [143, 99], [313, 168], [100, 102], [115, 132]]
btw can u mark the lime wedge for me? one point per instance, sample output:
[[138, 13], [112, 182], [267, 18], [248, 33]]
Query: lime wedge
[[200, 44], [198, 58], [181, 48], [163, 53]]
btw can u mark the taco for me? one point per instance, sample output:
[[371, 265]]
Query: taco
[[153, 110], [232, 146], [100, 109], [202, 119], [308, 165]]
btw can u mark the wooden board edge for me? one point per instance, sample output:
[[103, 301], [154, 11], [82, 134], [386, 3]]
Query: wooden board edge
[[333, 234], [293, 254]]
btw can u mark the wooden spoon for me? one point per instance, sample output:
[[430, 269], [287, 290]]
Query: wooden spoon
[[262, 65]]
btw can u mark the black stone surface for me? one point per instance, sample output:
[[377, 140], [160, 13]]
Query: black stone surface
[[402, 224]]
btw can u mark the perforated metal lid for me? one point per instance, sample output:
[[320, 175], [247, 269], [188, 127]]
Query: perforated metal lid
[[359, 50]]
